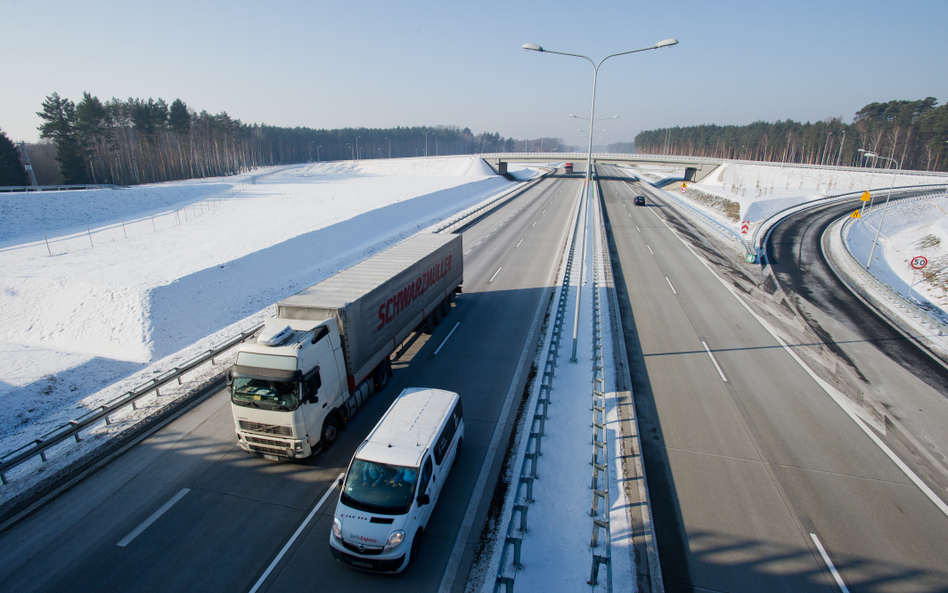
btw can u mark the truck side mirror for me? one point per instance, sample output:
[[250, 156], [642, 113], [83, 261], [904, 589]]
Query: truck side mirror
[[423, 499], [230, 378]]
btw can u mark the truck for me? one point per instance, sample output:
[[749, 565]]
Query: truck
[[568, 167], [327, 349]]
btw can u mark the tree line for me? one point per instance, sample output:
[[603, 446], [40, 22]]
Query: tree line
[[912, 133], [134, 141]]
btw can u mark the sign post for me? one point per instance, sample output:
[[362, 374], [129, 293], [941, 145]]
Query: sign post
[[918, 263]]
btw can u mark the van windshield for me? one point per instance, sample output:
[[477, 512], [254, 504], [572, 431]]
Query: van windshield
[[379, 487]]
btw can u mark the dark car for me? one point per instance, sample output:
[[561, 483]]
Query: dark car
[[639, 200]]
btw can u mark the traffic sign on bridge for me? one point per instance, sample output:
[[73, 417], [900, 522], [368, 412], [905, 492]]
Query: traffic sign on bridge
[[744, 226]]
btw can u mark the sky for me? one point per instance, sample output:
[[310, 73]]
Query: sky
[[424, 63]]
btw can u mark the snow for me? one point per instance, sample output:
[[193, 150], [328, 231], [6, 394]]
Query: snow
[[104, 289]]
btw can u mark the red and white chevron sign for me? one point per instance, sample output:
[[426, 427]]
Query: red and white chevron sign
[[744, 225]]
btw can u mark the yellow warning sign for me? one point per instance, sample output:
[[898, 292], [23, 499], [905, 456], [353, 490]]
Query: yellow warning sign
[[855, 214], [683, 184], [865, 197]]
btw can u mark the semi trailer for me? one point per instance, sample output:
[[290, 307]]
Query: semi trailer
[[327, 349]]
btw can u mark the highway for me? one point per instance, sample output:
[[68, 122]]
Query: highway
[[758, 480], [186, 510]]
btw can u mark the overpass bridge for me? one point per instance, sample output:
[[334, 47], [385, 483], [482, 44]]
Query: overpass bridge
[[696, 168]]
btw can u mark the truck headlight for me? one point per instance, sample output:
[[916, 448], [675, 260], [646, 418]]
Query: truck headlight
[[394, 540], [337, 528]]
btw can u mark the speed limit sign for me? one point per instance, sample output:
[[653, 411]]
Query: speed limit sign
[[919, 262]]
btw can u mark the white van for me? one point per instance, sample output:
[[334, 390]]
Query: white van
[[394, 480]]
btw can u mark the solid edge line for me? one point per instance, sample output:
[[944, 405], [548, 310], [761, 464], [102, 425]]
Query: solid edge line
[[299, 530], [838, 397], [708, 350], [829, 563], [447, 338], [154, 517]]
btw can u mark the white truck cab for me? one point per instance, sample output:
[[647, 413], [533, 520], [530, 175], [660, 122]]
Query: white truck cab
[[394, 480]]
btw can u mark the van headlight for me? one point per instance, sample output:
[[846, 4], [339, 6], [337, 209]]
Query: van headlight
[[394, 540], [337, 528]]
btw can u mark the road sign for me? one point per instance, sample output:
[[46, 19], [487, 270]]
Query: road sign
[[919, 262], [855, 214], [751, 258], [683, 188], [865, 197], [744, 226]]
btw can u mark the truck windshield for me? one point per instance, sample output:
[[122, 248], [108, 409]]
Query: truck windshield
[[379, 487], [262, 393]]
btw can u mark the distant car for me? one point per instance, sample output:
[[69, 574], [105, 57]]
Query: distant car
[[639, 200]]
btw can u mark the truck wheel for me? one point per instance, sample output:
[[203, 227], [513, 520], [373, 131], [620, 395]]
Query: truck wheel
[[330, 432], [415, 547], [430, 324], [383, 373], [445, 307], [438, 314]]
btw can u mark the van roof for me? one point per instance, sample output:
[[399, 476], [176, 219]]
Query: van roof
[[408, 427]]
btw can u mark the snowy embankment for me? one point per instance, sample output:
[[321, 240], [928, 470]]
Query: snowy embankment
[[128, 282]]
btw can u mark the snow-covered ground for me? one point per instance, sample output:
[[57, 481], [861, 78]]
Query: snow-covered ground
[[102, 289]]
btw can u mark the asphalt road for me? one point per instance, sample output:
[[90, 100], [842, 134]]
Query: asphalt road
[[228, 515], [749, 462]]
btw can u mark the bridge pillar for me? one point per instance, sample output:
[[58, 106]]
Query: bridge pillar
[[501, 167], [690, 174]]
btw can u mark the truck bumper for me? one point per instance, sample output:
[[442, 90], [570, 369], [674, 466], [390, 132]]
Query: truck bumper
[[273, 447]]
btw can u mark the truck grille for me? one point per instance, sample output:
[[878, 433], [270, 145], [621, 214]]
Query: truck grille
[[267, 446], [285, 431]]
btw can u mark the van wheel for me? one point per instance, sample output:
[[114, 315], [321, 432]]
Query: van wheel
[[415, 547], [330, 432], [382, 375], [457, 454]]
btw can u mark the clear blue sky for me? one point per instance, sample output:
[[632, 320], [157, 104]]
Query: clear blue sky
[[383, 64]]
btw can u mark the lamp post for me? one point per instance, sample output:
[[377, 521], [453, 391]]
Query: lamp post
[[865, 155], [317, 153], [841, 144], [311, 151], [358, 154], [825, 148], [884, 208], [592, 120], [389, 148]]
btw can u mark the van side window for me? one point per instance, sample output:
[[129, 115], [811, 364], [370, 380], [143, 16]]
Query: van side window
[[425, 477], [447, 435]]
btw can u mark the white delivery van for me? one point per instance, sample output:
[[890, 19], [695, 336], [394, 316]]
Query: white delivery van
[[394, 480]]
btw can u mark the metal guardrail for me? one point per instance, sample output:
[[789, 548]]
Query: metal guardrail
[[72, 430], [523, 495], [600, 441]]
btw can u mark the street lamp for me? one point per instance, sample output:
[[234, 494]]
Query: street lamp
[[317, 153], [389, 148], [311, 151], [358, 154], [592, 120], [884, 208]]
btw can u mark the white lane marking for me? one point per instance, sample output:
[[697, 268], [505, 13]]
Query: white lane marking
[[518, 243], [447, 338], [838, 397], [534, 224], [637, 228], [299, 530], [829, 563], [154, 517], [670, 284], [630, 216], [650, 249], [708, 350], [495, 274]]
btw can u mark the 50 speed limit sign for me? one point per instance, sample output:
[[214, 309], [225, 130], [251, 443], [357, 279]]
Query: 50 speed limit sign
[[919, 262]]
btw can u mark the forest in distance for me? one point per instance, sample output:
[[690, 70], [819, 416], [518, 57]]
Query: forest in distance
[[914, 134], [135, 141]]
